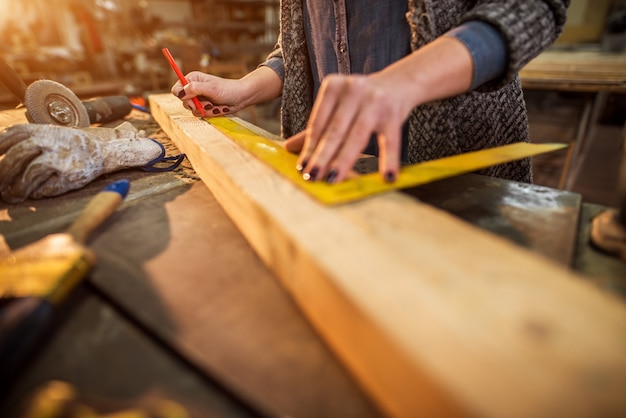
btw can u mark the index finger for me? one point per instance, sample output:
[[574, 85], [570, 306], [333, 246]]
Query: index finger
[[323, 108]]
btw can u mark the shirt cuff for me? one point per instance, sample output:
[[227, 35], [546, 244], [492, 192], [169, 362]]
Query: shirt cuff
[[487, 47], [276, 64]]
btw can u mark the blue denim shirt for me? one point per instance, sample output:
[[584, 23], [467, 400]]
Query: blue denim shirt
[[377, 29], [365, 36]]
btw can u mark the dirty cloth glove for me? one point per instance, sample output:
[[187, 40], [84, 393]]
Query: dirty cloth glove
[[39, 161]]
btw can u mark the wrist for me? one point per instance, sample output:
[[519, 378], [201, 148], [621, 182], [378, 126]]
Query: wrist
[[261, 85], [441, 69]]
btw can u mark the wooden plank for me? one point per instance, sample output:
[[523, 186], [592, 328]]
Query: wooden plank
[[434, 317], [585, 71]]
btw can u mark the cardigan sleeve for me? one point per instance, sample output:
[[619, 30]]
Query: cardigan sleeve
[[528, 27], [487, 48], [275, 61]]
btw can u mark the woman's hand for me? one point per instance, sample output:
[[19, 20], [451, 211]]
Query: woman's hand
[[220, 96], [350, 108]]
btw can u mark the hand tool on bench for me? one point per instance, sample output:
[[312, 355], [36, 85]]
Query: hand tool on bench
[[50, 102], [37, 278]]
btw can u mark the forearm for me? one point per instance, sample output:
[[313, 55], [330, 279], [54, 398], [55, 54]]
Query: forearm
[[441, 69], [261, 85]]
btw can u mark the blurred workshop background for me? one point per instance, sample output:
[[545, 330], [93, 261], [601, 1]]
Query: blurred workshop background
[[105, 47]]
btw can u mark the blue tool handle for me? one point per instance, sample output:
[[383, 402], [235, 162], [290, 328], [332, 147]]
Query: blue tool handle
[[121, 187], [98, 210]]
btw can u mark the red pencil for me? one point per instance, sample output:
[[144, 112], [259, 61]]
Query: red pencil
[[182, 78]]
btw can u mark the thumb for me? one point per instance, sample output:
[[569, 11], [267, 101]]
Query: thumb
[[295, 143]]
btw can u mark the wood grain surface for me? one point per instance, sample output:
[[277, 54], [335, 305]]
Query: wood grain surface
[[434, 317], [589, 71]]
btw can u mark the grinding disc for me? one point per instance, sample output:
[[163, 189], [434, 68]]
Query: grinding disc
[[49, 102]]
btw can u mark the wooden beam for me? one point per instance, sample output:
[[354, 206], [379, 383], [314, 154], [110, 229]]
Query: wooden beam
[[582, 71], [433, 316]]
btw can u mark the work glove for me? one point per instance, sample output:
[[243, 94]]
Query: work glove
[[38, 161]]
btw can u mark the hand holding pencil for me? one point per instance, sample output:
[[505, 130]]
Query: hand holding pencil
[[213, 95], [182, 79]]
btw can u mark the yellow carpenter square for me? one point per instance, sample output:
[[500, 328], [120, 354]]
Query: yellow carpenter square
[[275, 155]]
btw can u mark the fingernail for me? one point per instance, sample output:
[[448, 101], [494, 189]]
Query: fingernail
[[390, 177], [225, 109], [300, 167], [208, 106], [311, 175], [216, 111], [332, 176], [181, 94]]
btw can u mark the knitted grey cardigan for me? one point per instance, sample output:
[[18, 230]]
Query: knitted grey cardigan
[[492, 115]]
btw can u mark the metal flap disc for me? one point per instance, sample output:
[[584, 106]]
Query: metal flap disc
[[49, 102]]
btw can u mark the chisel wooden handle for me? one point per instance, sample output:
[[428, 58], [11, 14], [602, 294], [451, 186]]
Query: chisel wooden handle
[[98, 210]]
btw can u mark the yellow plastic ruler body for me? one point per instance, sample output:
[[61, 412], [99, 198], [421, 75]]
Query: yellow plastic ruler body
[[359, 187]]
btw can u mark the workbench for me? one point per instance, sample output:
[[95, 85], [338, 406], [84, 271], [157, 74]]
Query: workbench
[[180, 307], [581, 69]]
